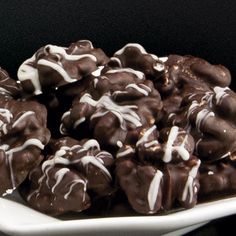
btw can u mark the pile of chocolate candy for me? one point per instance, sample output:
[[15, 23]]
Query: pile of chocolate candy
[[80, 131]]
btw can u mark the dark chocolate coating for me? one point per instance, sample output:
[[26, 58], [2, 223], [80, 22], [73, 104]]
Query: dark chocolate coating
[[23, 136], [134, 56], [151, 189], [52, 66], [188, 70], [171, 145], [217, 180], [159, 159], [197, 99], [114, 107], [210, 118], [74, 174]]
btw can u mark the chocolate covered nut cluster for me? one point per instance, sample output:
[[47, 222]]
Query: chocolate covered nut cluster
[[162, 170], [116, 105], [67, 179], [23, 135], [62, 65], [209, 117], [82, 132]]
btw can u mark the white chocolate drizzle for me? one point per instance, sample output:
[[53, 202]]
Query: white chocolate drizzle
[[9, 154], [22, 117], [28, 72], [72, 184], [91, 144], [96, 162], [158, 66], [59, 176], [98, 71], [7, 115], [127, 151], [117, 60], [220, 94], [57, 68], [189, 185], [136, 45], [194, 105], [169, 148], [154, 190], [151, 143], [67, 113], [138, 74], [119, 144], [59, 158], [145, 136], [4, 91], [55, 50], [123, 113], [95, 82], [86, 41], [163, 59], [140, 90], [202, 116], [78, 122]]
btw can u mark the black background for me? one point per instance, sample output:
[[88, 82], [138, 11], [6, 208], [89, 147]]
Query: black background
[[201, 28]]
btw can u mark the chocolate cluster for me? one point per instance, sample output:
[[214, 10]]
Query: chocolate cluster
[[70, 177], [23, 135], [62, 65], [82, 132]]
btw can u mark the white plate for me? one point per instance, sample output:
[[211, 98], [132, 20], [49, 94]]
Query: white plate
[[18, 219]]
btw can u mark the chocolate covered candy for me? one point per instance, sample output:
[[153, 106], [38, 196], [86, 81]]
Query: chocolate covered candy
[[171, 145], [159, 172], [209, 117], [52, 66], [151, 189], [23, 135], [168, 121], [75, 173], [117, 104]]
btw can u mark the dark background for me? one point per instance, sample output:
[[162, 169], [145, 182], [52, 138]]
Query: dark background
[[201, 28]]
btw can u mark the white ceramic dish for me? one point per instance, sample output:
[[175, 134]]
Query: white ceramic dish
[[18, 219]]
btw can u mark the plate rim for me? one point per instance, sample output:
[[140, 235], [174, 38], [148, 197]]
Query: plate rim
[[165, 223]]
